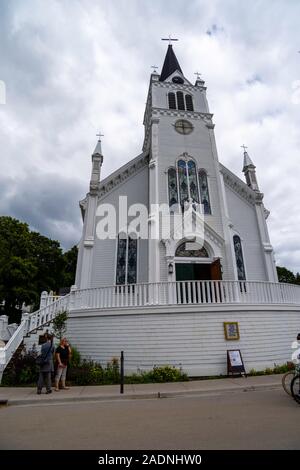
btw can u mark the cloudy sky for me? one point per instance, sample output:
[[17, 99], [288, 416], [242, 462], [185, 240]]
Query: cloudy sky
[[71, 68]]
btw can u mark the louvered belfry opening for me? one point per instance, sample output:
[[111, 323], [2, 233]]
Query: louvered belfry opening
[[180, 100], [172, 101]]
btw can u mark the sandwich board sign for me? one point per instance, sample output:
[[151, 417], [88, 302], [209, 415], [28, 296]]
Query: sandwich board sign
[[235, 364]]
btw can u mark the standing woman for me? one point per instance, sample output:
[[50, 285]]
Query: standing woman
[[62, 354]]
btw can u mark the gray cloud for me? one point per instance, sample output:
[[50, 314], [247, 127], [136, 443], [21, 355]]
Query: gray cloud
[[48, 203], [72, 67]]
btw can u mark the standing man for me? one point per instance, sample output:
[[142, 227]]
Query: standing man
[[46, 367], [62, 354]]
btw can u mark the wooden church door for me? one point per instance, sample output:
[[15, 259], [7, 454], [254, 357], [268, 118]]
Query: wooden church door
[[215, 270]]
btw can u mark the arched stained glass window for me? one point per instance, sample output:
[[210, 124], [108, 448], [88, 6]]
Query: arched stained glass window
[[183, 185], [189, 103], [183, 181], [180, 100], [172, 185], [126, 268], [172, 101], [239, 258], [204, 192], [194, 194]]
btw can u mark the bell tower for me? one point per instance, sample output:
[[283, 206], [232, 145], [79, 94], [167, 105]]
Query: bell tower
[[179, 131]]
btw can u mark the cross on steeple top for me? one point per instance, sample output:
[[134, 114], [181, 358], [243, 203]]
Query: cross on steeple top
[[154, 67], [244, 147], [198, 75], [99, 135], [169, 39]]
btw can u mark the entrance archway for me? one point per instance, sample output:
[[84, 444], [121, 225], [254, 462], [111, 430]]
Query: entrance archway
[[193, 263]]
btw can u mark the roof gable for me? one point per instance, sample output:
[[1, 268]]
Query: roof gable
[[119, 176], [241, 188]]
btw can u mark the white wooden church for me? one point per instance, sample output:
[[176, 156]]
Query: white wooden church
[[171, 300], [179, 162]]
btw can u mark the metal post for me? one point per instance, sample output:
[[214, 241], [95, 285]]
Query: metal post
[[122, 373]]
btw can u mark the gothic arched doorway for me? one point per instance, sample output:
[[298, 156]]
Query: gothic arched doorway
[[194, 263]]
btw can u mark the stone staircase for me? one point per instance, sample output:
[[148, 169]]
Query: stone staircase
[[31, 323]]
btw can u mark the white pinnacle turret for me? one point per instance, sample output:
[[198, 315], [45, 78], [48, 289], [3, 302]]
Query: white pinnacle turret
[[249, 171], [97, 160]]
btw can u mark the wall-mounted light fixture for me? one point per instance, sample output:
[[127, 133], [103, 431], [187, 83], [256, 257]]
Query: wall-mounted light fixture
[[171, 268]]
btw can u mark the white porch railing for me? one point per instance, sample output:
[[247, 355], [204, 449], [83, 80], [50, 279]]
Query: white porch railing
[[8, 350], [30, 322], [186, 292], [143, 295], [45, 314]]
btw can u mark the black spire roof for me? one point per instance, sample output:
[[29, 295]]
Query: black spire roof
[[170, 64]]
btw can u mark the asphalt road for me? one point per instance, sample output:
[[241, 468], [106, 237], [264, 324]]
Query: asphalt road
[[240, 420]]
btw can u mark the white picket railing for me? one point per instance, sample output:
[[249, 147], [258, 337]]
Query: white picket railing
[[45, 314], [30, 322], [186, 292], [8, 350], [147, 294]]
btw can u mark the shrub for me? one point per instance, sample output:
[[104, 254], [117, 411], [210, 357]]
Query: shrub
[[158, 374], [22, 369], [75, 357], [86, 373], [276, 370], [167, 374], [112, 372]]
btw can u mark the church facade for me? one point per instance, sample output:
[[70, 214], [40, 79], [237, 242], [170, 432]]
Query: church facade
[[175, 249], [177, 169], [175, 265]]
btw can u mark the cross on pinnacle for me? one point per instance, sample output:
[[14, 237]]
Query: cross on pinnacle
[[198, 75], [244, 147], [154, 67], [99, 135], [169, 39]]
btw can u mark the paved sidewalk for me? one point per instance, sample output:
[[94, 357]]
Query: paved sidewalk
[[27, 395]]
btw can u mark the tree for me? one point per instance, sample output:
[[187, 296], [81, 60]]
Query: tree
[[69, 268], [59, 324], [284, 275], [29, 264], [46, 254], [17, 271]]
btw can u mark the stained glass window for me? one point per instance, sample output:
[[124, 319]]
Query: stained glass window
[[180, 100], [172, 101], [193, 181], [172, 183], [183, 181], [132, 261], [239, 258], [197, 252], [186, 187], [189, 103], [204, 193], [121, 261], [126, 269]]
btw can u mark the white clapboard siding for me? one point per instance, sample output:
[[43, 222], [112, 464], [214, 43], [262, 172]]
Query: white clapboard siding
[[243, 217], [188, 337], [105, 251]]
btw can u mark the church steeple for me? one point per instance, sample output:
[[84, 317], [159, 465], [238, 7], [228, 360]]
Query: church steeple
[[249, 171], [171, 64]]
